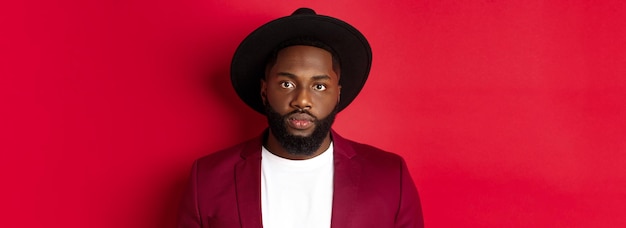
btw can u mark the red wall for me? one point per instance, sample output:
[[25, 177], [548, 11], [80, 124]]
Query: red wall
[[509, 113]]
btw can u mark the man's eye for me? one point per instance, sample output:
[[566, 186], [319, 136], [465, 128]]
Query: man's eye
[[286, 84], [320, 87]]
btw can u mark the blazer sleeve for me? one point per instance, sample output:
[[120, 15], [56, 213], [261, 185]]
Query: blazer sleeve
[[188, 212], [410, 211]]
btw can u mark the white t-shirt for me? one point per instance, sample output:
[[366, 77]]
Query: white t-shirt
[[297, 193]]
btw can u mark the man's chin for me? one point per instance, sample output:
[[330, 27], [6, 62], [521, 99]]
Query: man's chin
[[301, 132]]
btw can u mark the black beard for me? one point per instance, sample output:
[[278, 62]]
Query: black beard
[[295, 144]]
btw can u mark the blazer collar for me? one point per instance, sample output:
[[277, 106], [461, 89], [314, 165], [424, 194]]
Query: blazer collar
[[342, 146]]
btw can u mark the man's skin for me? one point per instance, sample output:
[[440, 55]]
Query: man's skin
[[302, 78]]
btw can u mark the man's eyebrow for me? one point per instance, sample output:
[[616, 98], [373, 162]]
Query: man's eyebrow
[[289, 75], [321, 77]]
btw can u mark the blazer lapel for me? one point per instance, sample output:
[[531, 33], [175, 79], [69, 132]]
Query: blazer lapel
[[248, 185], [346, 182]]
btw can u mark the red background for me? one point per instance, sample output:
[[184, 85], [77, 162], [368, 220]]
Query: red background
[[509, 113]]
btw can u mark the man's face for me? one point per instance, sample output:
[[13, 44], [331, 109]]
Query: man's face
[[302, 90]]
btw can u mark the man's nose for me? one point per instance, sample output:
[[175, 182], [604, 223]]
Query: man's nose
[[302, 99]]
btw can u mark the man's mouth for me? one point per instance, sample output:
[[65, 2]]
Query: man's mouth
[[300, 121]]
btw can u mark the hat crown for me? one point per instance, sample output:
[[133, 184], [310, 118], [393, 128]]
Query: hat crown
[[304, 11]]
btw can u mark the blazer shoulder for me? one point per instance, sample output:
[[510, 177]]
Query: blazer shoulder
[[231, 155], [375, 156]]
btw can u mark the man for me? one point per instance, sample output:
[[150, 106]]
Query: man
[[300, 71]]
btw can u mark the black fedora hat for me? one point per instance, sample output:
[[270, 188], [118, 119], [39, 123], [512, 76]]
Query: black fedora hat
[[349, 45]]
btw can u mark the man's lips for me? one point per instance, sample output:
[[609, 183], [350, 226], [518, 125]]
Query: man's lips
[[300, 121]]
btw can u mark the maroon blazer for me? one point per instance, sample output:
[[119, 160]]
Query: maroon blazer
[[372, 188]]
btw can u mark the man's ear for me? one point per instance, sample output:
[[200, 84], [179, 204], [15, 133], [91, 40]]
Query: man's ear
[[263, 90], [339, 94]]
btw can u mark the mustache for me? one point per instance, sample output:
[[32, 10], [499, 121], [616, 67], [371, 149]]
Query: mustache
[[297, 111], [300, 111]]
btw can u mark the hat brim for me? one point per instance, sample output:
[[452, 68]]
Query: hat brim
[[350, 46]]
